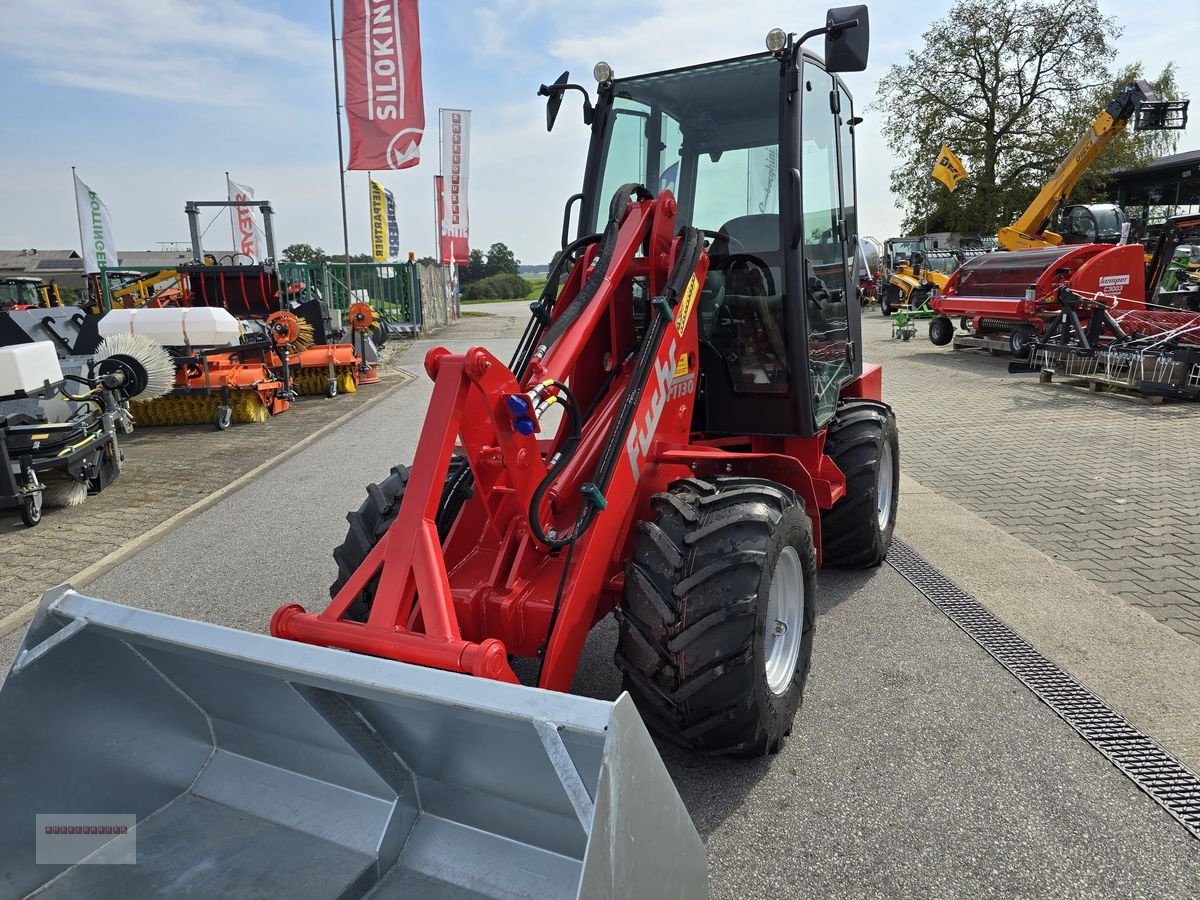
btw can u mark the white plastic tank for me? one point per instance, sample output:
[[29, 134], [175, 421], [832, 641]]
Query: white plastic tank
[[197, 326], [25, 368]]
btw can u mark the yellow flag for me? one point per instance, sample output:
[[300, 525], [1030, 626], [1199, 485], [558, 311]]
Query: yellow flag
[[379, 230], [948, 170]]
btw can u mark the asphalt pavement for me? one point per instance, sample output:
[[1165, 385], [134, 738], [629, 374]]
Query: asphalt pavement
[[918, 767]]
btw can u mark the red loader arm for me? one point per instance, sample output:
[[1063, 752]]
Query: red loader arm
[[533, 560]]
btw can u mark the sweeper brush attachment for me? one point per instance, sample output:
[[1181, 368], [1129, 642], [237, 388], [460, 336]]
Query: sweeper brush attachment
[[149, 364], [258, 767]]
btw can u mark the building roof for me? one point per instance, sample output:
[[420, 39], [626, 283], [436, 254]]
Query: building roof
[[49, 262], [1162, 165]]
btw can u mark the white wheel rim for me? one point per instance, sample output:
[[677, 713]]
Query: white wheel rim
[[883, 491], [783, 630]]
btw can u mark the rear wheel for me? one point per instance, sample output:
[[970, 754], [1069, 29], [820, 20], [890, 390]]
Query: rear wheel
[[720, 602], [864, 442], [941, 331], [1020, 339], [375, 516]]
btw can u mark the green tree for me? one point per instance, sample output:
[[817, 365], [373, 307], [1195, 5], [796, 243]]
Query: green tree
[[427, 261], [304, 253], [501, 261], [1004, 84], [473, 270]]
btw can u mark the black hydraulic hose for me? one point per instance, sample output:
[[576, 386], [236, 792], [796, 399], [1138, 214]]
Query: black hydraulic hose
[[545, 304], [568, 316], [563, 457], [677, 280]]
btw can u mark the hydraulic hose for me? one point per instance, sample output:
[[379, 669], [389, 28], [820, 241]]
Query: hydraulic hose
[[524, 352], [563, 457], [616, 212]]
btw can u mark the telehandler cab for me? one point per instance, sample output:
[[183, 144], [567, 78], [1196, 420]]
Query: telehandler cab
[[720, 437]]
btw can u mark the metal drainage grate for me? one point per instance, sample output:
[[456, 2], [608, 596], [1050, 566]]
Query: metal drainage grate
[[1171, 784]]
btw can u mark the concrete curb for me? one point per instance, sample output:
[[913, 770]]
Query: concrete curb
[[1142, 668], [20, 616]]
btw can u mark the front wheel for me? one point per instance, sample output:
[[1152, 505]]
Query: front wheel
[[886, 301], [720, 604], [941, 331], [31, 509]]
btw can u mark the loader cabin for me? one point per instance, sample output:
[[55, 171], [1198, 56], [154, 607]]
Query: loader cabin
[[759, 154]]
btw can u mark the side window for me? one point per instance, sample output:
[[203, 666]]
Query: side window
[[625, 155], [824, 248]]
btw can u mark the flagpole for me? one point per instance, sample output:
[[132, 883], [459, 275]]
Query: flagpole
[[437, 225], [337, 105], [78, 214], [237, 245], [82, 249]]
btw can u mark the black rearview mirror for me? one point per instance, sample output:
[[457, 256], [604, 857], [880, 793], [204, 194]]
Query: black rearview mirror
[[554, 98], [847, 39]]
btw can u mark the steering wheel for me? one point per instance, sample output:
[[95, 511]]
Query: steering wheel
[[748, 261], [818, 294], [724, 236]]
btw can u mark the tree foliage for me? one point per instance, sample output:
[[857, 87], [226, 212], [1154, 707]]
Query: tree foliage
[[504, 286], [1008, 85], [498, 261], [304, 253], [502, 261]]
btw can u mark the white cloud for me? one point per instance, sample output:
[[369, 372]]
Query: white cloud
[[219, 52]]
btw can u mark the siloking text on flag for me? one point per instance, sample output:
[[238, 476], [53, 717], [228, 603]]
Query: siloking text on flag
[[381, 55]]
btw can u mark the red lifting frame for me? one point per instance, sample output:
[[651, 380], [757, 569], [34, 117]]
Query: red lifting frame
[[414, 616]]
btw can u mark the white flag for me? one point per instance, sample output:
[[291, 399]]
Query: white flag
[[95, 230], [246, 237]]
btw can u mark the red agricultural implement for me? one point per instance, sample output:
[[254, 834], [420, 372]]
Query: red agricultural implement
[[1008, 298], [685, 432], [1005, 300]]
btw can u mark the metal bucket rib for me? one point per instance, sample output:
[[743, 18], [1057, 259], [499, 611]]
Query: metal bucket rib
[[258, 765]]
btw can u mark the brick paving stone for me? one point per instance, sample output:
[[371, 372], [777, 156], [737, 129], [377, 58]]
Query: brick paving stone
[[1109, 487]]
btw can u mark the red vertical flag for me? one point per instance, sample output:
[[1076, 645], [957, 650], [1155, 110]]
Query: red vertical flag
[[452, 194], [381, 56]]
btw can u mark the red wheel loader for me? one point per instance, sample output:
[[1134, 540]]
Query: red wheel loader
[[685, 432]]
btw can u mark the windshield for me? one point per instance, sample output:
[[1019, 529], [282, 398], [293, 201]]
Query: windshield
[[902, 251], [708, 134], [945, 263], [18, 293], [1108, 222]]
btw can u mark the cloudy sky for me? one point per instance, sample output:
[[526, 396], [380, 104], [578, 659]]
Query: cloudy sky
[[153, 100]]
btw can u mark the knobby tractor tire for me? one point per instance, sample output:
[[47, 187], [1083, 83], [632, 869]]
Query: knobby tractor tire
[[695, 629], [888, 298], [371, 521], [864, 442]]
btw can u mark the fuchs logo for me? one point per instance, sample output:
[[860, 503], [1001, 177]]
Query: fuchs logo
[[245, 221], [668, 385], [1112, 284]]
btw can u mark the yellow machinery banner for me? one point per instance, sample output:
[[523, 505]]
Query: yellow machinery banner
[[379, 229], [948, 170]]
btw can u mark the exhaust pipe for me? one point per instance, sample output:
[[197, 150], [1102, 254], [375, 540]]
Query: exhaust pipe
[[252, 765]]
